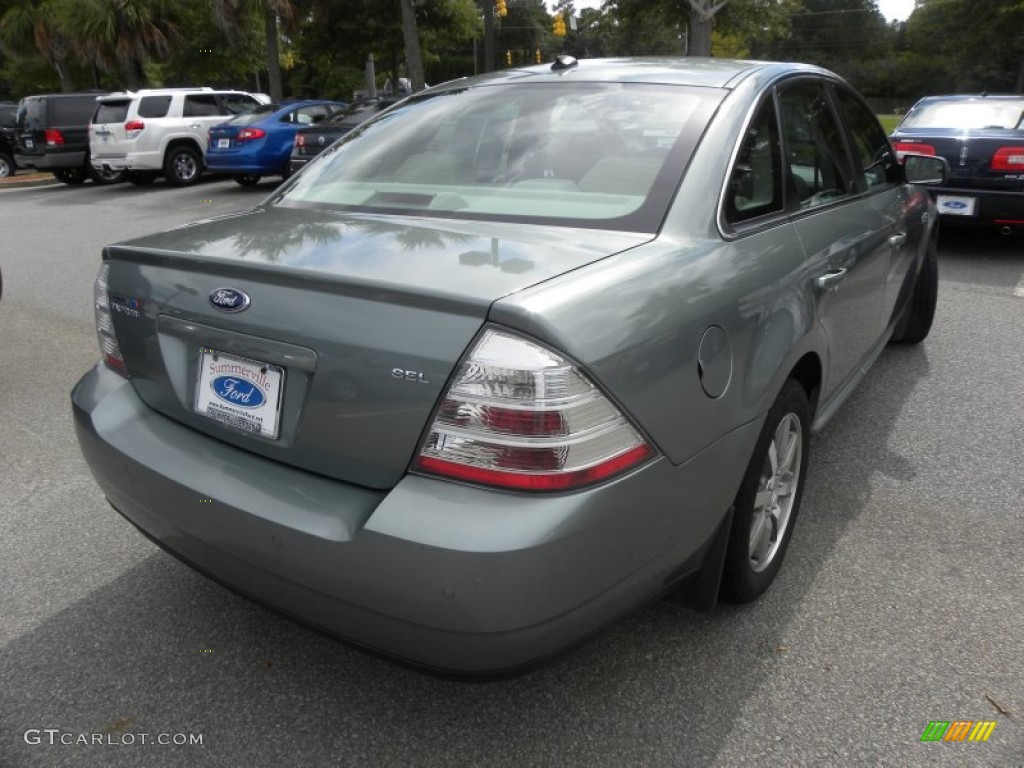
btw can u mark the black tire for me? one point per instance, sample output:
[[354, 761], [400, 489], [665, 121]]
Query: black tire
[[104, 177], [917, 321], [182, 166], [247, 180], [70, 175], [6, 165], [751, 566], [140, 178]]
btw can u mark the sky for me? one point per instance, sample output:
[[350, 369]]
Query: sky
[[891, 9]]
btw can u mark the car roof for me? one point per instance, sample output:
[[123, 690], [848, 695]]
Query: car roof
[[691, 70]]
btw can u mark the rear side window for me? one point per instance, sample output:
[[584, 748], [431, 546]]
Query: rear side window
[[201, 106], [237, 103], [755, 185], [73, 111], [871, 149], [112, 111], [818, 162], [154, 106]]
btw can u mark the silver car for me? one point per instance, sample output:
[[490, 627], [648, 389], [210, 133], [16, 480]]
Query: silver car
[[515, 356]]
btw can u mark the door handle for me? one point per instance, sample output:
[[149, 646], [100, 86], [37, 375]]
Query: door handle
[[195, 125], [897, 240], [830, 279]]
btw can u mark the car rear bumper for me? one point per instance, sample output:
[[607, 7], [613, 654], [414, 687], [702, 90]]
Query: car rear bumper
[[990, 206], [448, 576], [246, 167], [50, 161]]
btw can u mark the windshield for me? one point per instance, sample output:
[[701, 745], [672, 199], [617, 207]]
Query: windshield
[[598, 155], [966, 115]]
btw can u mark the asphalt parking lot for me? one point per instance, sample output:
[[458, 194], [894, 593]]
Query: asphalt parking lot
[[901, 601]]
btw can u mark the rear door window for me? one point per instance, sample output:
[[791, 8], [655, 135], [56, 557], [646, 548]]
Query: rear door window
[[112, 111], [755, 184], [154, 106], [73, 111], [237, 103], [201, 106], [815, 149]]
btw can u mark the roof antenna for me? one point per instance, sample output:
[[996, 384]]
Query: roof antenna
[[564, 62]]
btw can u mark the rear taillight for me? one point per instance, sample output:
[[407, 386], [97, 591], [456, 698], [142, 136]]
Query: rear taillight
[[53, 137], [109, 347], [133, 128], [521, 416], [911, 148], [248, 134], [300, 140], [1008, 159]]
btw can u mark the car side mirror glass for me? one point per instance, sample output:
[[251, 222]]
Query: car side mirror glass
[[925, 169]]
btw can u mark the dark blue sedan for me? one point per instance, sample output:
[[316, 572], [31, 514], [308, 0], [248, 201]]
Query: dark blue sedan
[[259, 143]]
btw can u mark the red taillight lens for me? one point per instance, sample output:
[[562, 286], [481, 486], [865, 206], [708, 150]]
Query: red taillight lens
[[521, 416], [911, 148], [109, 347], [1008, 159], [53, 137], [248, 134], [133, 128]]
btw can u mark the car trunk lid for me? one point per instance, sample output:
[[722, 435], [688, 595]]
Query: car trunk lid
[[353, 324]]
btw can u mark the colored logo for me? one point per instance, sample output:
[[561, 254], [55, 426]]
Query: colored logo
[[956, 205], [958, 730], [229, 299], [236, 391]]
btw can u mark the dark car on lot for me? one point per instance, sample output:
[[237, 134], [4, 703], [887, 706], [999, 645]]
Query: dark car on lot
[[259, 142], [516, 356], [314, 139], [52, 134], [8, 115], [982, 138]]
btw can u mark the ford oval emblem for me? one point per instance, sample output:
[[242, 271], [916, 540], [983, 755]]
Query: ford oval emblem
[[956, 205], [229, 299], [236, 391]]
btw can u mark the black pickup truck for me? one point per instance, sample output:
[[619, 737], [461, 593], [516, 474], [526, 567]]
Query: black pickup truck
[[982, 138]]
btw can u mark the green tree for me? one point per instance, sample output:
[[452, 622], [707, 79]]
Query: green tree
[[29, 27]]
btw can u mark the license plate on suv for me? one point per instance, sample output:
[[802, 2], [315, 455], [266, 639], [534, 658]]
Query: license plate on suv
[[239, 392]]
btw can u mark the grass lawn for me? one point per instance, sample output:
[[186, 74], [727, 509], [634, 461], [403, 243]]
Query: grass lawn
[[889, 122]]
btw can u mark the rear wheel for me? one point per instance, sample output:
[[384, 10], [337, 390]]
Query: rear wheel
[[182, 166], [917, 321], [70, 175], [6, 165], [247, 180], [769, 498], [102, 176]]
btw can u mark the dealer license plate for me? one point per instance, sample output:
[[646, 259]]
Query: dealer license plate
[[243, 394], [956, 205]]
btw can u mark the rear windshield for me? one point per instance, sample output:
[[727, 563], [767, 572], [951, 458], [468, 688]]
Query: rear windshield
[[31, 114], [967, 115], [112, 111], [259, 113], [596, 155]]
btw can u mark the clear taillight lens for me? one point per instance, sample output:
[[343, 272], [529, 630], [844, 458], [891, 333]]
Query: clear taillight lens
[[519, 415], [104, 323]]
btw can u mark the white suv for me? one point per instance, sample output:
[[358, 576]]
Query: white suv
[[160, 130]]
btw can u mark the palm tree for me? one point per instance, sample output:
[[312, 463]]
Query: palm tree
[[121, 33], [231, 15], [29, 28]]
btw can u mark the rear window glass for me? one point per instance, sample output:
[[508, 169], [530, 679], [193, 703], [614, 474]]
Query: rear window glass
[[970, 115], [201, 106], [154, 106], [112, 111], [260, 113], [74, 110], [597, 155]]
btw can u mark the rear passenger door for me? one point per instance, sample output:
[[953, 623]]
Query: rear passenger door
[[839, 233]]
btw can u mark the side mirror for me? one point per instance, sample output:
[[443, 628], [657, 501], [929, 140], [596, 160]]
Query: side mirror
[[925, 169]]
